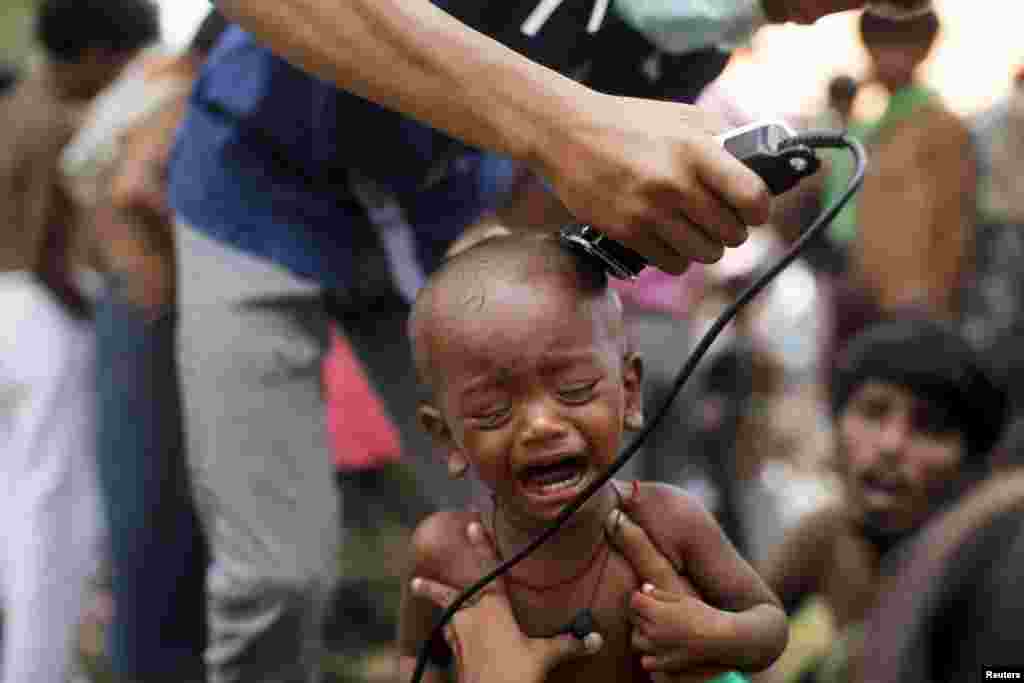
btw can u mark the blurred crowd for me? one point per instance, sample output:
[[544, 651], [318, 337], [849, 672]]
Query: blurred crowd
[[201, 438]]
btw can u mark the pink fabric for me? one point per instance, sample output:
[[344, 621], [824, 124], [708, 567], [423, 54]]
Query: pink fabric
[[655, 290], [361, 436]]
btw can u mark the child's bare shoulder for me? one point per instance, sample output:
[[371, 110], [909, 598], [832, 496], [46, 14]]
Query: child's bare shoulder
[[672, 518], [440, 549], [659, 503]]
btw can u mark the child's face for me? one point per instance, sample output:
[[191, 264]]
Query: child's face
[[535, 390], [898, 456]]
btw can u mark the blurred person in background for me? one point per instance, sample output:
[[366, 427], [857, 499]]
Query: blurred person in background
[[760, 372], [50, 542], [956, 599], [921, 179], [916, 417], [993, 292], [115, 169], [842, 94], [829, 255]]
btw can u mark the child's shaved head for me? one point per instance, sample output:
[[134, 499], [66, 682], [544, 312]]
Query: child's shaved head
[[504, 276]]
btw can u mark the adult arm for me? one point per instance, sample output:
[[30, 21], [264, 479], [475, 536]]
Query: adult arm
[[134, 225], [649, 173], [49, 220]]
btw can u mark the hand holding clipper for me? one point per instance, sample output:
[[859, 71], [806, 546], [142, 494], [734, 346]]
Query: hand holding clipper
[[769, 148]]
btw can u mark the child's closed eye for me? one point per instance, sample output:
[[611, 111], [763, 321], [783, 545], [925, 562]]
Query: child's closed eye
[[578, 393], [490, 418]]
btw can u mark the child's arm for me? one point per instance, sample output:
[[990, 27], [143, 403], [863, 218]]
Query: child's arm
[[736, 622]]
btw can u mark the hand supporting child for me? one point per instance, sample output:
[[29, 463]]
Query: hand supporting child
[[487, 641]]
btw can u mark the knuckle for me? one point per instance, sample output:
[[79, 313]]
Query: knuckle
[[754, 202], [711, 253], [742, 235], [642, 215], [736, 235], [677, 266], [685, 183]]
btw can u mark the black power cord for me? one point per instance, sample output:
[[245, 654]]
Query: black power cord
[[813, 140]]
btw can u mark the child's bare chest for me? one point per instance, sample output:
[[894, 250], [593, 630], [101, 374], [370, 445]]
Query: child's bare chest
[[605, 591]]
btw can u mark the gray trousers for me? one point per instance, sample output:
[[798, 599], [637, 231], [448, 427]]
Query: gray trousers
[[251, 338]]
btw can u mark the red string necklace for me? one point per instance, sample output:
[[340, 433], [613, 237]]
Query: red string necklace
[[602, 550]]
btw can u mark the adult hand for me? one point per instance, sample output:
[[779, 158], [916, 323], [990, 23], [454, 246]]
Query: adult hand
[[668, 618], [649, 174], [809, 11], [488, 644], [805, 11]]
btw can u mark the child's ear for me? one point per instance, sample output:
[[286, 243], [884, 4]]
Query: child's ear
[[433, 422], [632, 380]]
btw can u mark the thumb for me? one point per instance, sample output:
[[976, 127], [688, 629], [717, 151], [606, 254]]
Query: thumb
[[566, 646], [636, 546]]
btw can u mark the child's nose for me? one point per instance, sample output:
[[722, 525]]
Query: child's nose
[[543, 422]]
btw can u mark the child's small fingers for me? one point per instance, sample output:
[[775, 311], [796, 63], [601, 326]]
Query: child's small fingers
[[650, 609], [676, 609]]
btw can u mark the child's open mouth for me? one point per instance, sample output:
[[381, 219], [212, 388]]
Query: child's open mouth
[[553, 478]]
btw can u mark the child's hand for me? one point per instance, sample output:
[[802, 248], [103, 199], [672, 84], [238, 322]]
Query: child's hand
[[667, 630], [669, 621]]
